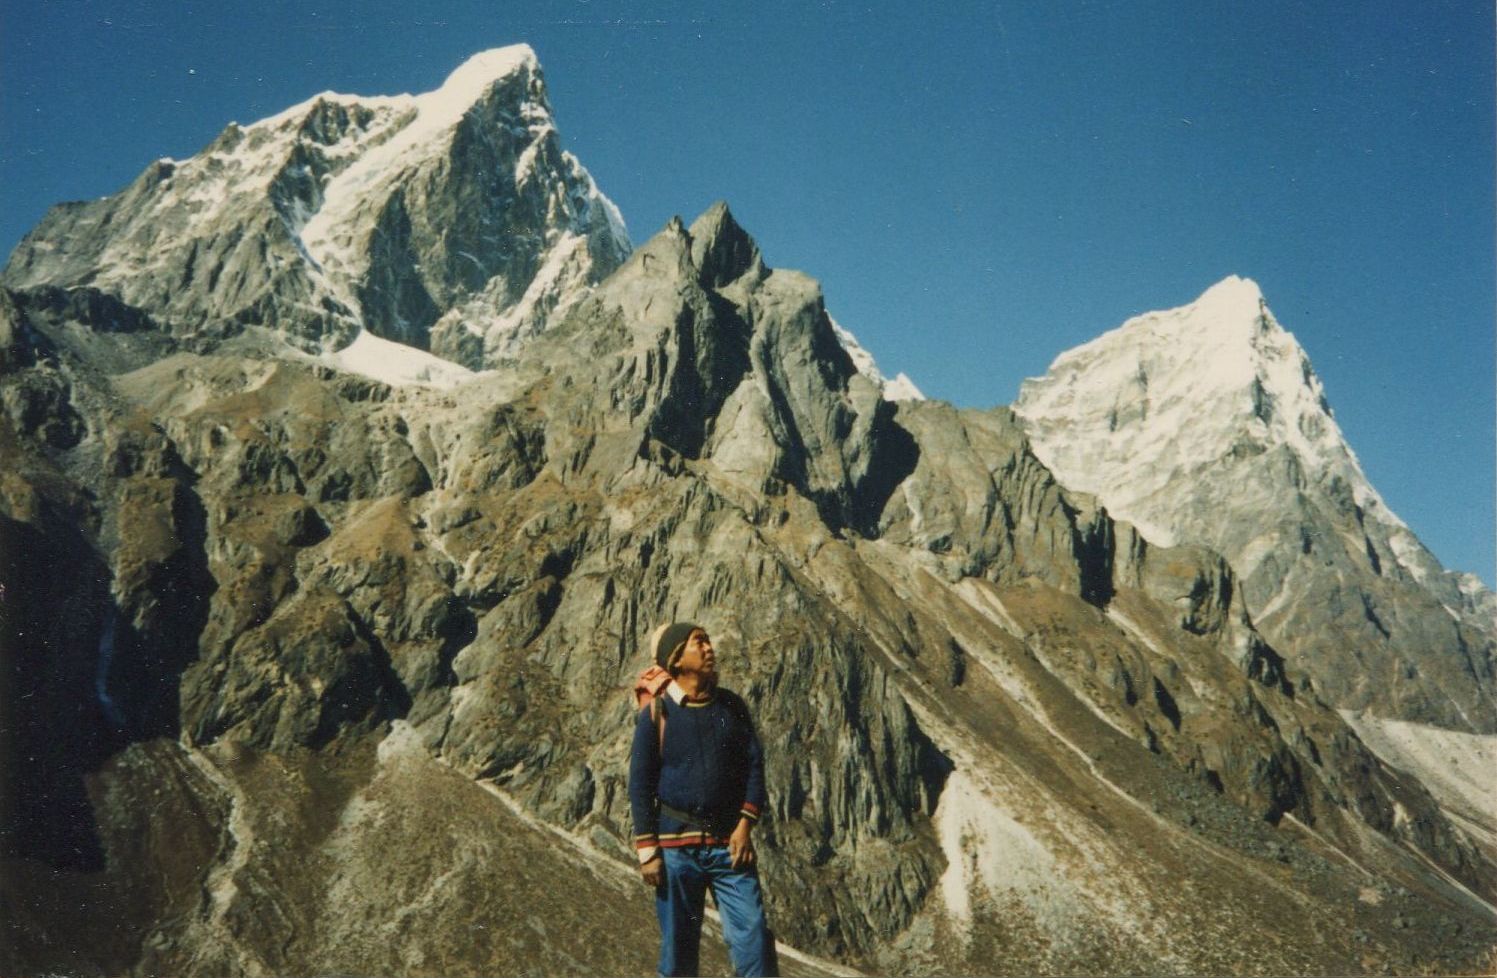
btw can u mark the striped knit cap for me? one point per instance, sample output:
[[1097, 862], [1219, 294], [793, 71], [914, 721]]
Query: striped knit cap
[[668, 640]]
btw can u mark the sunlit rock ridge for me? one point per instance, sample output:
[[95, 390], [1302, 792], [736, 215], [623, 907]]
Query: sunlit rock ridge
[[346, 467]]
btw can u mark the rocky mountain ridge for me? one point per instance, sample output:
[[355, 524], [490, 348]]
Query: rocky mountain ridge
[[450, 222], [366, 647]]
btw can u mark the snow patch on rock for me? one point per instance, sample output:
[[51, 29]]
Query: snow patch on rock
[[986, 850], [397, 364]]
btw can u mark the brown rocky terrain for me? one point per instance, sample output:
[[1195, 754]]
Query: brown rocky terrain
[[309, 674]]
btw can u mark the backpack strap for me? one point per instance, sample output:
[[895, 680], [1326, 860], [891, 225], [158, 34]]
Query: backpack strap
[[657, 713]]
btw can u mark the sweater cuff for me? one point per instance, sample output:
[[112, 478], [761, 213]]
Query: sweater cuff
[[647, 847], [749, 811]]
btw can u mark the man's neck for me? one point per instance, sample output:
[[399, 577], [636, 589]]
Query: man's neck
[[694, 685]]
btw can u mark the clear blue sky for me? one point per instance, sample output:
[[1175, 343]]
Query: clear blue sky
[[977, 187]]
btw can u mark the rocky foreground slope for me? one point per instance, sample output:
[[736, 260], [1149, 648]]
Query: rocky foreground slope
[[311, 673]]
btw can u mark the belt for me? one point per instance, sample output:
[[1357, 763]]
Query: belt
[[703, 823]]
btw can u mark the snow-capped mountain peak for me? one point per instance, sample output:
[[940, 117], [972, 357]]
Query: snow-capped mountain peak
[[451, 221], [477, 75], [1170, 392], [439, 108], [899, 388], [1231, 295], [332, 234], [1206, 425]]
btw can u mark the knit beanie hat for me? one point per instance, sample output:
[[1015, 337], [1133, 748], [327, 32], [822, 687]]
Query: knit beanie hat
[[667, 641]]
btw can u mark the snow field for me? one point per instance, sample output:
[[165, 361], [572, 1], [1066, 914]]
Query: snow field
[[397, 364]]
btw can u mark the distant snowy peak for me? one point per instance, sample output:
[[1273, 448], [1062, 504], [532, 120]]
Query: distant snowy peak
[[450, 221], [465, 85], [900, 388], [1166, 393], [489, 130], [423, 128], [417, 118], [1207, 424]]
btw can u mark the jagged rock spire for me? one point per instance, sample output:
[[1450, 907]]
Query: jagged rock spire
[[721, 250]]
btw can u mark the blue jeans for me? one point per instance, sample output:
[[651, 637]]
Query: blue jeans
[[679, 902]]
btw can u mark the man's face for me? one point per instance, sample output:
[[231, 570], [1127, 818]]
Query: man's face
[[698, 656]]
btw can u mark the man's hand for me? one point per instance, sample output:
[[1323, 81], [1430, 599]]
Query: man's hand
[[653, 871], [740, 845]]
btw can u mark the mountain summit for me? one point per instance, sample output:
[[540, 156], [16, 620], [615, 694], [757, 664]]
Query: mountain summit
[[1207, 425], [1167, 394], [451, 222]]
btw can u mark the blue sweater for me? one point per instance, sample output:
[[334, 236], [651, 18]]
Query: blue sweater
[[711, 769]]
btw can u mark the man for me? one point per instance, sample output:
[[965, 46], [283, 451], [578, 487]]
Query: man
[[696, 788]]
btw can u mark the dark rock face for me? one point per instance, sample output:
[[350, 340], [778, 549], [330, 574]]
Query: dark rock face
[[308, 673]]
